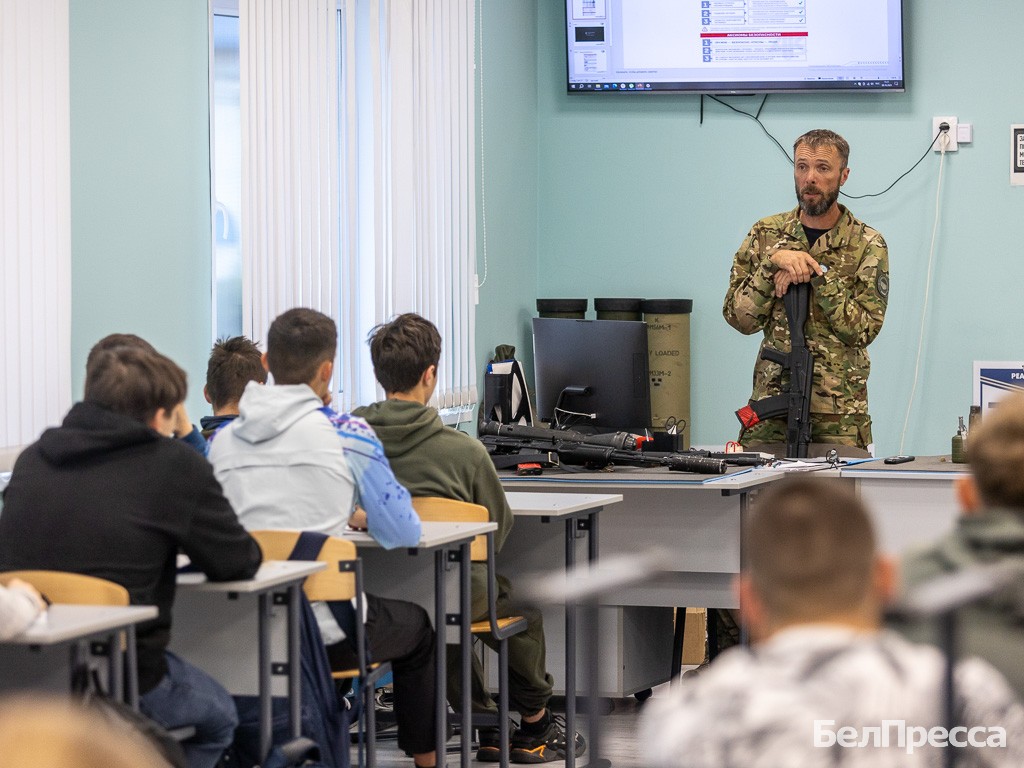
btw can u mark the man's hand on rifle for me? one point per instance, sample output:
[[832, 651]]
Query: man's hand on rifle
[[793, 267]]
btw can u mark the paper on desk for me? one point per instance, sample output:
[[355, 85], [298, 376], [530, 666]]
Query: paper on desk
[[799, 465]]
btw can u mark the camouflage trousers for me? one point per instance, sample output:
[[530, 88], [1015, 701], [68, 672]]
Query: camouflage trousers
[[830, 428]]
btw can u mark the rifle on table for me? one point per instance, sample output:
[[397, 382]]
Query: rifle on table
[[510, 445], [796, 404]]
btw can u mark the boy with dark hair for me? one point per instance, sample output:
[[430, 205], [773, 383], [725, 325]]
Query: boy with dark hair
[[290, 462], [184, 429], [233, 364], [990, 532], [106, 494], [822, 684], [433, 460]]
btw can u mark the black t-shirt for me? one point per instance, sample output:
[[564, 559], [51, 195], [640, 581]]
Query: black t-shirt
[[813, 234]]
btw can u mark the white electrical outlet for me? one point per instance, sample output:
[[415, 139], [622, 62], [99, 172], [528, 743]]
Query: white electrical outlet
[[949, 138]]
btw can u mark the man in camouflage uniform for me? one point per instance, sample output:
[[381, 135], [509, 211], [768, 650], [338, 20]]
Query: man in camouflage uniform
[[847, 264], [823, 685]]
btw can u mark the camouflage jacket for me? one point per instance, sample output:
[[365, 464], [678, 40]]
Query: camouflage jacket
[[847, 307], [990, 628], [773, 705]]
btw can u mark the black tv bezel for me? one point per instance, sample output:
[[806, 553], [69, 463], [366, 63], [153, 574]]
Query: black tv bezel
[[746, 88]]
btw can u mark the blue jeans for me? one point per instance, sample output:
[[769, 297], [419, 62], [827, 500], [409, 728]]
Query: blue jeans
[[188, 696]]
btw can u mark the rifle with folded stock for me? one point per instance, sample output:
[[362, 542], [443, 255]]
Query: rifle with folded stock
[[795, 405], [510, 445]]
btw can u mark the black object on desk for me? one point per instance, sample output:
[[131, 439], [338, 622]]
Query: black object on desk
[[507, 443], [898, 459]]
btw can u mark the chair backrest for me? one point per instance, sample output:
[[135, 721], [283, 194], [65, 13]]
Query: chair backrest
[[439, 510], [73, 588], [328, 584]]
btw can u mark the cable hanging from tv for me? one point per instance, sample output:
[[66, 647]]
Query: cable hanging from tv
[[756, 117]]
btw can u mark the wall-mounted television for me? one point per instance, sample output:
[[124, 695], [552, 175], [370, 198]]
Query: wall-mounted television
[[734, 46]]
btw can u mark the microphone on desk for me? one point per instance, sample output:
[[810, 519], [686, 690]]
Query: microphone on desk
[[622, 441]]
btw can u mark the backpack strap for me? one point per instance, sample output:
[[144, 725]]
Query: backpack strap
[[308, 545]]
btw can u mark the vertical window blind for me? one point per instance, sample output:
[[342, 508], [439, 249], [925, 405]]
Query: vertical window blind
[[289, 116], [392, 181], [418, 82], [35, 220]]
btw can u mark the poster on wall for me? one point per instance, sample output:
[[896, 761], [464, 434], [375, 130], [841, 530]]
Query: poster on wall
[[994, 380], [1017, 155]]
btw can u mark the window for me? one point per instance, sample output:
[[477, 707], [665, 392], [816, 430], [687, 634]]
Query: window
[[227, 178], [344, 174]]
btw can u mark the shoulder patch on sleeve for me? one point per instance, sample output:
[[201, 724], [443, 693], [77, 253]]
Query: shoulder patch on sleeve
[[882, 285]]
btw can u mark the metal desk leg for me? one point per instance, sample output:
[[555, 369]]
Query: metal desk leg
[[266, 734], [440, 659], [570, 650], [115, 658], [294, 661], [466, 650], [592, 641], [132, 668], [571, 526], [744, 513], [678, 638]]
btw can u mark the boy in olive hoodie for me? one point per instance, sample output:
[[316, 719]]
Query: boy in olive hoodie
[[430, 459]]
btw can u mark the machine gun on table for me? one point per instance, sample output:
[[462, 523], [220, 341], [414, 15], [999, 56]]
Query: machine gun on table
[[796, 404], [511, 445]]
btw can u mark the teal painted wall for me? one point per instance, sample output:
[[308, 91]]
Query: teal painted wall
[[141, 254], [507, 155], [140, 180], [637, 198], [585, 197]]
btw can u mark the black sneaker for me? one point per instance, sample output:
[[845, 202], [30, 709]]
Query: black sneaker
[[489, 750], [544, 747]]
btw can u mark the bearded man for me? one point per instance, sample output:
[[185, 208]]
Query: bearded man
[[847, 264]]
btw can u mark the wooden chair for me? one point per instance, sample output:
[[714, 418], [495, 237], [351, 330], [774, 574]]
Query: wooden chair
[[432, 508], [342, 580], [71, 588]]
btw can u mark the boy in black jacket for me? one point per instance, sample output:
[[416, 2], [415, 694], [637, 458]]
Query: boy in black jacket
[[107, 494]]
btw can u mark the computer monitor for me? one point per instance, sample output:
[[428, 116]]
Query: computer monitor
[[592, 375]]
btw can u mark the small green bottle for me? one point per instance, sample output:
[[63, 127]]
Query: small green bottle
[[959, 448]]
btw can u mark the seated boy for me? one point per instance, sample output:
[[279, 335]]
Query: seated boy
[[433, 460], [233, 363], [989, 533], [108, 494], [184, 429]]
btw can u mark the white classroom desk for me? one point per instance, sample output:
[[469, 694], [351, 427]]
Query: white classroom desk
[[579, 512], [694, 519], [43, 657], [401, 574], [215, 623], [911, 504]]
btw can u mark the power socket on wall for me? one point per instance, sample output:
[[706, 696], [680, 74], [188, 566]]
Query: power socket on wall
[[947, 139]]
